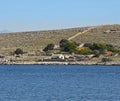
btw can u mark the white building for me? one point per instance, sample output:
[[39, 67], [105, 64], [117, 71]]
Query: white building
[[57, 56]]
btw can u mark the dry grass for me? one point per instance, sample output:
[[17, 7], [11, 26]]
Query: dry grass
[[33, 41], [98, 35], [37, 40]]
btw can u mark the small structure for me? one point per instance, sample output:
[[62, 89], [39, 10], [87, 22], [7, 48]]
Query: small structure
[[57, 56], [111, 31], [108, 53]]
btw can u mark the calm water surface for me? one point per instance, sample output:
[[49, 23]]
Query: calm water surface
[[59, 83]]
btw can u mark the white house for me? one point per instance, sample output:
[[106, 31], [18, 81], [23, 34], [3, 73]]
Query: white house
[[57, 56]]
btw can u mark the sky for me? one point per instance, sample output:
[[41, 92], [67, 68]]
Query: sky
[[30, 15]]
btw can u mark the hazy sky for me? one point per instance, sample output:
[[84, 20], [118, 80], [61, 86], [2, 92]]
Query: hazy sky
[[27, 15]]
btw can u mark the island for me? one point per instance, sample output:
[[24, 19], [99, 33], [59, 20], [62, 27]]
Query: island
[[94, 45]]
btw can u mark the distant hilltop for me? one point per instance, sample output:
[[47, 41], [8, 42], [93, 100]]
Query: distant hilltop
[[5, 31], [37, 40]]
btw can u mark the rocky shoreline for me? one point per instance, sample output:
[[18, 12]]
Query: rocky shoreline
[[61, 63]]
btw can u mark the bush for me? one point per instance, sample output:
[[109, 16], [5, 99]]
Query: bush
[[96, 46], [89, 45], [68, 46], [63, 43], [18, 51], [99, 46], [49, 47], [85, 51]]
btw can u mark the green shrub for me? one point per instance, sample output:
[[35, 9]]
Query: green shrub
[[63, 42], [18, 51], [85, 51], [68, 46], [49, 47]]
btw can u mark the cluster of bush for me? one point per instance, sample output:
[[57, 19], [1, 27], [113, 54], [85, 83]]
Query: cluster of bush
[[101, 48], [89, 48], [71, 47]]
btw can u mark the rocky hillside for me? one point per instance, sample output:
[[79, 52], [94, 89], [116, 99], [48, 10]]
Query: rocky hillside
[[109, 34], [36, 40]]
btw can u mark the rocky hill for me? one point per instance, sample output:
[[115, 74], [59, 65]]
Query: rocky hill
[[109, 34], [37, 40]]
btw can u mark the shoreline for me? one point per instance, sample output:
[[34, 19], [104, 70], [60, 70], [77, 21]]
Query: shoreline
[[63, 63]]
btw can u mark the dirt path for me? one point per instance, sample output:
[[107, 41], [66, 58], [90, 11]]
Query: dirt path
[[80, 33]]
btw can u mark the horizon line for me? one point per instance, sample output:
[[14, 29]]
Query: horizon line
[[56, 29]]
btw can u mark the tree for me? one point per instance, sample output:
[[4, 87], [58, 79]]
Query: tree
[[49, 47], [85, 51], [89, 45], [18, 51], [63, 43], [70, 47], [112, 48], [99, 46]]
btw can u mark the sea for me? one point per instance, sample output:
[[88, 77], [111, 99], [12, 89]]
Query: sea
[[59, 83]]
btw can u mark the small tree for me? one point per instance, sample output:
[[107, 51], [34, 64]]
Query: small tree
[[70, 47], [89, 45], [18, 51], [99, 46], [63, 43], [49, 47]]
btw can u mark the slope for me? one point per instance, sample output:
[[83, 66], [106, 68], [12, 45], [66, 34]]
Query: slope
[[109, 34]]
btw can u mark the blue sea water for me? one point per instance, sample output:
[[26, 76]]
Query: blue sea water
[[59, 83]]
